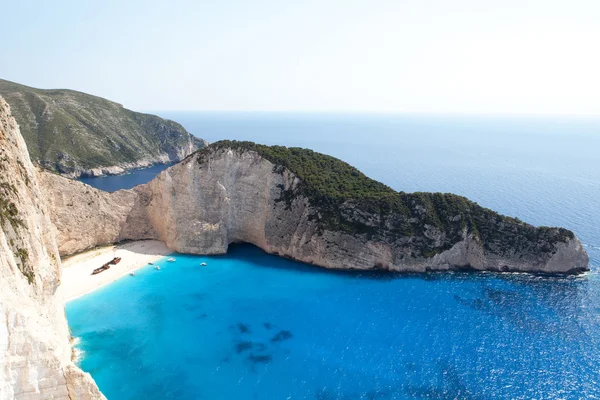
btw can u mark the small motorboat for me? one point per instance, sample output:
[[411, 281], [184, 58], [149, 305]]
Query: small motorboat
[[132, 274], [203, 264], [157, 268], [171, 259], [150, 263]]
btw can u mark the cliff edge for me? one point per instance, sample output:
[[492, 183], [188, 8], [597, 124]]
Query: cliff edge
[[35, 354], [310, 207]]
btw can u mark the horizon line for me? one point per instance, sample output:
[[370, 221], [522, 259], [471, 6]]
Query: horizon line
[[367, 112]]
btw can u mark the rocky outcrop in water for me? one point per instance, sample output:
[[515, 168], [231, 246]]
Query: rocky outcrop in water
[[77, 134], [309, 207], [35, 354]]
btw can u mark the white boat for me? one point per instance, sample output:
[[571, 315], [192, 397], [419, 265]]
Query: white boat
[[203, 264], [170, 259], [157, 268], [132, 274]]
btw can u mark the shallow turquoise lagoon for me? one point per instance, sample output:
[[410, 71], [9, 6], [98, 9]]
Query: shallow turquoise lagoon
[[254, 326]]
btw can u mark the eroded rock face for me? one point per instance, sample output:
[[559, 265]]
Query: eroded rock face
[[85, 217], [35, 354], [201, 205]]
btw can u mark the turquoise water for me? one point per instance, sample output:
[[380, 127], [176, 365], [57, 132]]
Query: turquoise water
[[253, 326]]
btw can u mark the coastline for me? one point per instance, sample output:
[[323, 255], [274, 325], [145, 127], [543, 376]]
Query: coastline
[[77, 279]]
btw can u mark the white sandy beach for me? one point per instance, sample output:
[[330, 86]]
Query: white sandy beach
[[77, 279]]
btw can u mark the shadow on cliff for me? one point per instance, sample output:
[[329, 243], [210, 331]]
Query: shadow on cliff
[[246, 251]]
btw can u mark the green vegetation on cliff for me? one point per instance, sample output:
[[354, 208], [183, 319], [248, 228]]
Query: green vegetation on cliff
[[68, 131], [346, 199]]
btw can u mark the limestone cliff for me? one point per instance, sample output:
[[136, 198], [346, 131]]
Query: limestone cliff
[[309, 207], [35, 354], [77, 134]]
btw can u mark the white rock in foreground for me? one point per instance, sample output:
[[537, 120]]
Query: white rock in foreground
[[35, 354]]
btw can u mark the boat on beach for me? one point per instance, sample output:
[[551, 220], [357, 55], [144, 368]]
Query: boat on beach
[[106, 266], [101, 269]]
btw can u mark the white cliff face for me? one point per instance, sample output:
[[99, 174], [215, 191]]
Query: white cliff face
[[85, 217], [35, 354], [236, 196]]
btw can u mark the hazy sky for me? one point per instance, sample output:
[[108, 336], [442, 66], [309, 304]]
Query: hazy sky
[[445, 56]]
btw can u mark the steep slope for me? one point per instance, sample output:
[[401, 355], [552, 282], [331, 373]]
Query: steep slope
[[35, 355], [77, 134], [309, 207]]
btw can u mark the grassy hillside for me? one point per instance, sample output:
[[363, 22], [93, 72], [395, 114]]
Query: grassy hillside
[[67, 130], [338, 190]]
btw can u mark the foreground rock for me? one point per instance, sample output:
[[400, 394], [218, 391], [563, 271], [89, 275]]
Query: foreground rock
[[309, 207], [77, 134], [35, 354]]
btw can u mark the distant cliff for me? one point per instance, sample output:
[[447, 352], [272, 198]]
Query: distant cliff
[[309, 207], [35, 354], [77, 134]]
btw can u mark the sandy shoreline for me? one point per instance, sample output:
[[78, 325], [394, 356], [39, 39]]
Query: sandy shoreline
[[77, 279]]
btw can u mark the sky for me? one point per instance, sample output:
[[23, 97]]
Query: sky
[[409, 56]]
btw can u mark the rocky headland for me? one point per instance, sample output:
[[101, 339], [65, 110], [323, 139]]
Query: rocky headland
[[309, 207], [77, 134]]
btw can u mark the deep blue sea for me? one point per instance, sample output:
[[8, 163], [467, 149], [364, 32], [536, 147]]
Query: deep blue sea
[[125, 181], [254, 326]]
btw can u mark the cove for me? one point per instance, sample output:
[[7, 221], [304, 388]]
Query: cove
[[127, 180], [254, 326]]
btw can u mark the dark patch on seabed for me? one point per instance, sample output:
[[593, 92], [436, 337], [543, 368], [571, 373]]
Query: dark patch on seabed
[[281, 336], [198, 297], [240, 347], [507, 305], [243, 328], [475, 304], [260, 359]]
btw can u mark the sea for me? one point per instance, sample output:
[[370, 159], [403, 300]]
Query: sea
[[249, 325], [112, 183]]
